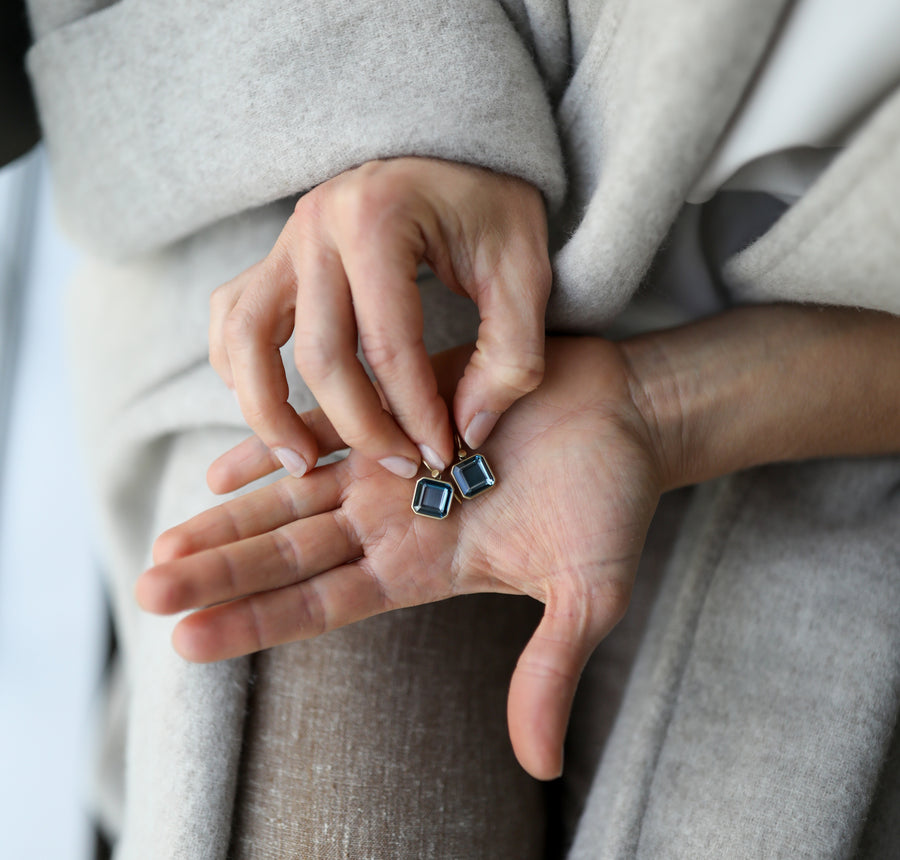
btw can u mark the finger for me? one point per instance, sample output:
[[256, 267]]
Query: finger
[[508, 361], [253, 514], [251, 459], [221, 303], [381, 269], [254, 331], [341, 596], [270, 561], [245, 462], [325, 354], [546, 676]]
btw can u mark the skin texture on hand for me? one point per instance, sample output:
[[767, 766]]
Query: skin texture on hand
[[581, 462], [343, 271], [565, 525]]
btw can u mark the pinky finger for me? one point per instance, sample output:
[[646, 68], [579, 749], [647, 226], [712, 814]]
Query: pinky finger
[[251, 459], [237, 467], [339, 597]]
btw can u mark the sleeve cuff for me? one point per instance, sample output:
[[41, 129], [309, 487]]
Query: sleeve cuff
[[163, 117]]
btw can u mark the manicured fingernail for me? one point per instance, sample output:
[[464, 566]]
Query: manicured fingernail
[[479, 428], [432, 458], [400, 466], [291, 461]]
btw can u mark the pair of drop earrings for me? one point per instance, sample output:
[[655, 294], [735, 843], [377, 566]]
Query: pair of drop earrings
[[472, 475]]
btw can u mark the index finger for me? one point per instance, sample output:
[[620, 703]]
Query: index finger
[[325, 339], [382, 275]]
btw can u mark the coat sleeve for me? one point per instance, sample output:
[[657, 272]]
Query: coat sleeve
[[163, 116]]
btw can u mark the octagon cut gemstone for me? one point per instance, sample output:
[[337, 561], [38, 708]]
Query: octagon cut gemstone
[[473, 476], [432, 498]]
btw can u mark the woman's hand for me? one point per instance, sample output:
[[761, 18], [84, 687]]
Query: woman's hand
[[344, 268], [577, 486], [580, 464]]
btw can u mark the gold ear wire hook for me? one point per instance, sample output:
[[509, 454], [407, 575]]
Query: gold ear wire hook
[[435, 473], [461, 452]]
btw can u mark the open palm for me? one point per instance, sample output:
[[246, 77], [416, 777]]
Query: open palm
[[577, 486]]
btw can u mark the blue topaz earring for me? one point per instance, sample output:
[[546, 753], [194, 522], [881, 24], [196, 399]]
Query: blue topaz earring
[[432, 497], [472, 474]]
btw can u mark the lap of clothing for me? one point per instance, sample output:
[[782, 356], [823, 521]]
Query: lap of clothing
[[389, 738]]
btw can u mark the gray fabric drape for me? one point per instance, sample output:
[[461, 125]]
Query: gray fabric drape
[[758, 713]]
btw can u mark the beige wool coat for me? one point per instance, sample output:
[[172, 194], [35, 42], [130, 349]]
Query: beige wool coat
[[175, 128]]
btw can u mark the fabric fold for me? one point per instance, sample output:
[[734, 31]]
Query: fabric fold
[[640, 118], [156, 129], [840, 244]]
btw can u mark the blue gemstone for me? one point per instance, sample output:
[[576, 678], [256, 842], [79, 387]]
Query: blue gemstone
[[473, 476], [432, 498]]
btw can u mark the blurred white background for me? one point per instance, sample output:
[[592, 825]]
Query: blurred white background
[[52, 617]]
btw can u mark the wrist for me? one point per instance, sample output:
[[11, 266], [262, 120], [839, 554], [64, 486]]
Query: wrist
[[766, 384], [656, 389], [722, 394]]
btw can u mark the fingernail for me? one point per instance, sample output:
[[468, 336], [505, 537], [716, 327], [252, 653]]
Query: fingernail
[[479, 428], [291, 461], [432, 458], [400, 466]]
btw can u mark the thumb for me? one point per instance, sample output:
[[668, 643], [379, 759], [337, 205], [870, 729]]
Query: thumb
[[508, 361], [546, 676]]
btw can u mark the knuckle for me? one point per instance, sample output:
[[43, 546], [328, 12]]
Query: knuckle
[[521, 377], [288, 550], [217, 357], [380, 350], [256, 625], [309, 611], [219, 297], [543, 667], [315, 357], [527, 275], [360, 205], [366, 431], [303, 203], [230, 575], [596, 605], [257, 417], [262, 415], [363, 174], [306, 215], [364, 203], [239, 326]]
